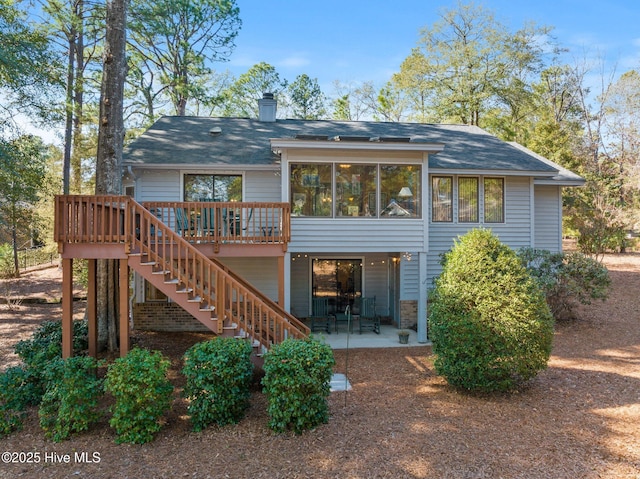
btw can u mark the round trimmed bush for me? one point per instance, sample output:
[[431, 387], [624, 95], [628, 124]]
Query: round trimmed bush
[[489, 322]]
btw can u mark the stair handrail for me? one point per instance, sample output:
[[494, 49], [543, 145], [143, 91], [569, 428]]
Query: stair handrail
[[161, 233], [110, 219]]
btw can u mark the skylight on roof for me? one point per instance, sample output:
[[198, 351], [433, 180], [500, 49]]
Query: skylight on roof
[[312, 137]]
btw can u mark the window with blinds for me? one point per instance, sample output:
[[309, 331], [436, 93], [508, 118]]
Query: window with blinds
[[468, 211], [469, 192], [494, 200], [442, 198]]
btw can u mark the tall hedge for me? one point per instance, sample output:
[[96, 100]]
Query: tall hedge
[[489, 322]]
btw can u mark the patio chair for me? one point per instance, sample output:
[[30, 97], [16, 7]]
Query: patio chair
[[369, 320], [320, 314], [209, 223], [345, 318], [183, 223]]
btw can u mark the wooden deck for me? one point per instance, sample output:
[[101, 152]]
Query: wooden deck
[[174, 246]]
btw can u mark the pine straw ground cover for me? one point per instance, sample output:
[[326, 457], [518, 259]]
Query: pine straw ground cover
[[578, 419]]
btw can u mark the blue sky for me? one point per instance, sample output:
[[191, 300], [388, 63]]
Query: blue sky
[[359, 40]]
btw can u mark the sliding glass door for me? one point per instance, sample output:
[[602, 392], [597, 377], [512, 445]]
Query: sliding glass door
[[339, 280]]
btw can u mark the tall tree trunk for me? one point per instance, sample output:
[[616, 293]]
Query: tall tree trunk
[[66, 162], [109, 160], [78, 99]]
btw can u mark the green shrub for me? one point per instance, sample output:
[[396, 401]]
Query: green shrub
[[490, 325], [218, 374], [25, 385], [45, 346], [70, 404], [297, 384], [16, 393], [142, 392], [45, 343], [7, 265], [566, 279]]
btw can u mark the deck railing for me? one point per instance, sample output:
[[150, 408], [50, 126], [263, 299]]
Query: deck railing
[[247, 223], [226, 222], [235, 302]]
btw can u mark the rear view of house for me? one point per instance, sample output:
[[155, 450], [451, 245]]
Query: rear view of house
[[335, 214]]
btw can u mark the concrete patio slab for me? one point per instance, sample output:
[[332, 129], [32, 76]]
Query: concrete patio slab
[[388, 338]]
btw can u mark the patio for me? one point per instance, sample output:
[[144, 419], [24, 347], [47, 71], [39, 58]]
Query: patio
[[388, 338]]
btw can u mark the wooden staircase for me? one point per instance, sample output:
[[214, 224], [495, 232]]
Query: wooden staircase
[[224, 302]]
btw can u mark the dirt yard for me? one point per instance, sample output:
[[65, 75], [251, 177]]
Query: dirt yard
[[578, 419]]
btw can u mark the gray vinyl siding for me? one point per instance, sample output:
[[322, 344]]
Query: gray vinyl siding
[[363, 235], [300, 286], [160, 185], [409, 279], [515, 231], [262, 186], [376, 281], [548, 218], [260, 272]]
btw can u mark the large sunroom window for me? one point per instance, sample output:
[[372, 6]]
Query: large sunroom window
[[355, 189], [400, 190], [201, 187], [311, 190]]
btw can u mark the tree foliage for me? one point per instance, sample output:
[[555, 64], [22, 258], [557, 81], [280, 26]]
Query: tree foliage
[[306, 99], [241, 98], [24, 181], [467, 63], [75, 29], [26, 76], [173, 43]]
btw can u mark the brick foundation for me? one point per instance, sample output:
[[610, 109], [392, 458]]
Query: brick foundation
[[408, 314], [162, 316]]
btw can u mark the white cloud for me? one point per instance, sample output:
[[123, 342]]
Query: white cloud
[[294, 61]]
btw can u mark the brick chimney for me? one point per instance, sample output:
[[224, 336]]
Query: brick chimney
[[267, 107]]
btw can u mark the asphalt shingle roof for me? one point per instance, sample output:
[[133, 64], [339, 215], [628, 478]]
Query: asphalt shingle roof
[[174, 140]]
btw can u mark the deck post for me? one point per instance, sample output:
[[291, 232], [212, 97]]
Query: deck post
[[67, 308], [123, 300], [92, 317]]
